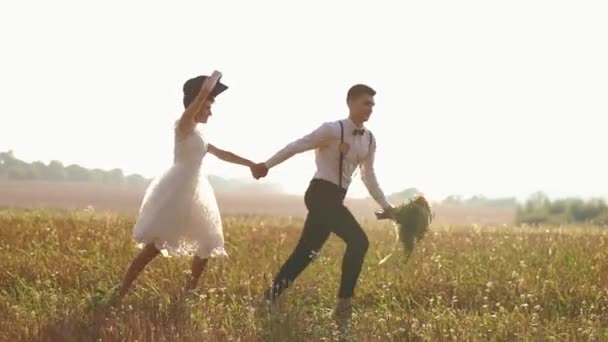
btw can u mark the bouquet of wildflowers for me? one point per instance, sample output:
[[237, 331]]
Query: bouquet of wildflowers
[[411, 220]]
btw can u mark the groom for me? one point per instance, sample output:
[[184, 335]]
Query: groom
[[340, 147]]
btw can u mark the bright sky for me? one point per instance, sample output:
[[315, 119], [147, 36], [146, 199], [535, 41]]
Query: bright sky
[[499, 98]]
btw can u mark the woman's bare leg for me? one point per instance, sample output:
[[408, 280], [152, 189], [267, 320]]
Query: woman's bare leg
[[146, 255], [198, 266]]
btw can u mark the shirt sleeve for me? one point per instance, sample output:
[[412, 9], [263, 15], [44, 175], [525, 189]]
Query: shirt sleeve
[[368, 176], [310, 141]]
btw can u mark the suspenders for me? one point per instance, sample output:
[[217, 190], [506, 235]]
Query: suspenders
[[340, 148], [369, 148]]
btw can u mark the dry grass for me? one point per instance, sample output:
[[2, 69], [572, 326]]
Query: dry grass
[[462, 283]]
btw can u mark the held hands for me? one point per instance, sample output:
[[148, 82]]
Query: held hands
[[259, 170]]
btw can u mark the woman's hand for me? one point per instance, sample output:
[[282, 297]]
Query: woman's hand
[[187, 121]]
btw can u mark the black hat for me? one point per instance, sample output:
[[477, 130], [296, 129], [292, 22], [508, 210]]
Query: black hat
[[193, 86]]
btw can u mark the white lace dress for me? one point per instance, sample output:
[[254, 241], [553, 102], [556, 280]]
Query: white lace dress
[[179, 212]]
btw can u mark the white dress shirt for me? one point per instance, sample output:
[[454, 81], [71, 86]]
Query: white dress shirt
[[326, 142]]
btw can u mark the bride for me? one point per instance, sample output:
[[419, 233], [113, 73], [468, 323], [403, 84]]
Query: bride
[[179, 213]]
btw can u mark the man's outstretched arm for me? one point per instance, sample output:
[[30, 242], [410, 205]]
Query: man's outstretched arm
[[310, 141]]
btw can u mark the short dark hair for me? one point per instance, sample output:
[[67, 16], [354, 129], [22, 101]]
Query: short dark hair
[[358, 90]]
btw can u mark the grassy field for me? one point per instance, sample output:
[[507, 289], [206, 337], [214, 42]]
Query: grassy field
[[462, 283]]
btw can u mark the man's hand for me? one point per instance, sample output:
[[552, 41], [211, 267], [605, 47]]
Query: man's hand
[[385, 213], [259, 170]]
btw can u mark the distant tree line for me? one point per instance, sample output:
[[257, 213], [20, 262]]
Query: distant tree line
[[539, 209], [14, 168], [480, 200], [477, 200]]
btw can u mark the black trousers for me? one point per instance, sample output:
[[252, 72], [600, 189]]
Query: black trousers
[[326, 214]]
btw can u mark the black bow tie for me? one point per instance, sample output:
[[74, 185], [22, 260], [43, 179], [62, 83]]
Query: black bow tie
[[358, 131]]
